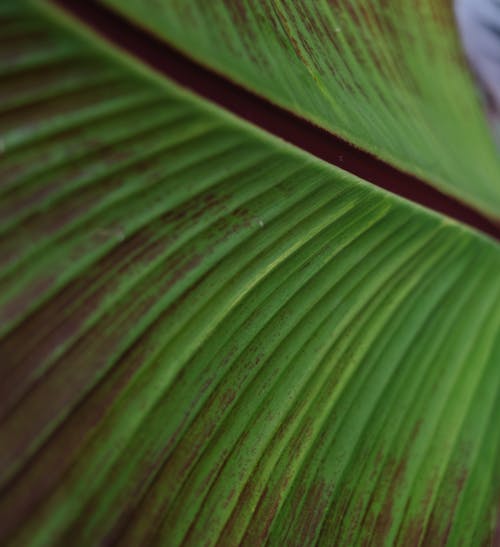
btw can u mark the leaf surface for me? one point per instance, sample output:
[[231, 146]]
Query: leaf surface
[[209, 337]]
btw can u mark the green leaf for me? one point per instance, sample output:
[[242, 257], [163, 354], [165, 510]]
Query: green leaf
[[388, 76], [209, 337]]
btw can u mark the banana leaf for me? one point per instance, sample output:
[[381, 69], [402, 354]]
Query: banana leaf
[[210, 337]]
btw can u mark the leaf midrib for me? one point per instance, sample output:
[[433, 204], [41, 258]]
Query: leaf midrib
[[273, 119]]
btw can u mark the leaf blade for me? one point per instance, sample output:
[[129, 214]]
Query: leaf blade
[[241, 296]]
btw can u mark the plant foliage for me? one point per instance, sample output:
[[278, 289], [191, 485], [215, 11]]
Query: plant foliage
[[209, 337]]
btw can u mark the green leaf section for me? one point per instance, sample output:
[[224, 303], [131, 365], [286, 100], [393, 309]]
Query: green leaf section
[[387, 75], [209, 337]]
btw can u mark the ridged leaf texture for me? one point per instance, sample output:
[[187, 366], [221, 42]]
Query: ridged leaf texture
[[209, 337], [387, 75]]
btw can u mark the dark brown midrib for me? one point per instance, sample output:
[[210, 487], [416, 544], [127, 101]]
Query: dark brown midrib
[[168, 61]]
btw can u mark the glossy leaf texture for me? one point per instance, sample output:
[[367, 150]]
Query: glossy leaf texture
[[387, 75], [209, 337]]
